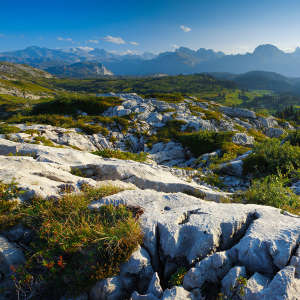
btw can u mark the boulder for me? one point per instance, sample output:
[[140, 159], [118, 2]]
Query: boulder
[[283, 286], [10, 256], [155, 287], [231, 287], [49, 169], [177, 293], [137, 272], [238, 112], [234, 168], [107, 289], [256, 283], [274, 132], [243, 139]]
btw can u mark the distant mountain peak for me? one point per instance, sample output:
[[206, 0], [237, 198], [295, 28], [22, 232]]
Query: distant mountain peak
[[267, 49]]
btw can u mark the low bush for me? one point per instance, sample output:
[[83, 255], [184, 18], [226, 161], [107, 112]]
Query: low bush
[[205, 141], [294, 138], [72, 246], [72, 104], [7, 129], [209, 114], [171, 98], [177, 278], [258, 135], [271, 156], [8, 205], [271, 191], [109, 153], [59, 121]]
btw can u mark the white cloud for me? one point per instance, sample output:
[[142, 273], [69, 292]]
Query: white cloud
[[65, 39], [93, 41], [174, 46], [185, 28], [114, 40], [128, 52], [85, 48], [134, 43]]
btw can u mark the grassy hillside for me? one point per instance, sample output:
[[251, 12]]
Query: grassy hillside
[[203, 86], [19, 81]]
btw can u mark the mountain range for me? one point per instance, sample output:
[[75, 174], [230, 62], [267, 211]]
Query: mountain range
[[181, 61]]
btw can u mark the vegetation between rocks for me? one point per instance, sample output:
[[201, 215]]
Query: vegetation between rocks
[[272, 191], [72, 246], [272, 156], [110, 153]]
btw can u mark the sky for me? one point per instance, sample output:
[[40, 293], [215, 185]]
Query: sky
[[136, 26]]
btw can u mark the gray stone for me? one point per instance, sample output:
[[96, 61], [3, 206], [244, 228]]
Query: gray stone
[[256, 283], [267, 122], [238, 112], [137, 296], [234, 168], [211, 269], [283, 286], [274, 132], [295, 261], [10, 256], [107, 289], [177, 293], [137, 272], [243, 139], [155, 287], [230, 284]]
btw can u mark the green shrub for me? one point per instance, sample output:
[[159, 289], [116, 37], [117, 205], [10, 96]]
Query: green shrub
[[73, 104], [271, 191], [209, 114], [177, 277], [8, 205], [171, 98], [7, 129], [73, 246], [270, 157], [59, 121], [109, 153], [46, 142], [258, 135], [294, 138], [204, 141], [214, 179]]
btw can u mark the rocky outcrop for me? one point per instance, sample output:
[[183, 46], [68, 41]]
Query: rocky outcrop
[[219, 242], [46, 171]]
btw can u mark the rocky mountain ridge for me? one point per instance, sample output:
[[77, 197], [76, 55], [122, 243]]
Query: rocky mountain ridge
[[181, 61]]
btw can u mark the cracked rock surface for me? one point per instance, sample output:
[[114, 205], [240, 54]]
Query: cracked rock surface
[[218, 242]]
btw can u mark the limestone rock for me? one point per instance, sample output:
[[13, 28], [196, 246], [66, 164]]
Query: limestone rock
[[137, 272], [234, 168], [107, 289], [49, 168], [256, 283], [238, 112], [243, 139], [283, 286], [274, 132], [177, 293], [10, 255], [230, 284], [137, 296], [155, 287]]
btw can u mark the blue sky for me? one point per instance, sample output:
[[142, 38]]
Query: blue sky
[[232, 26]]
